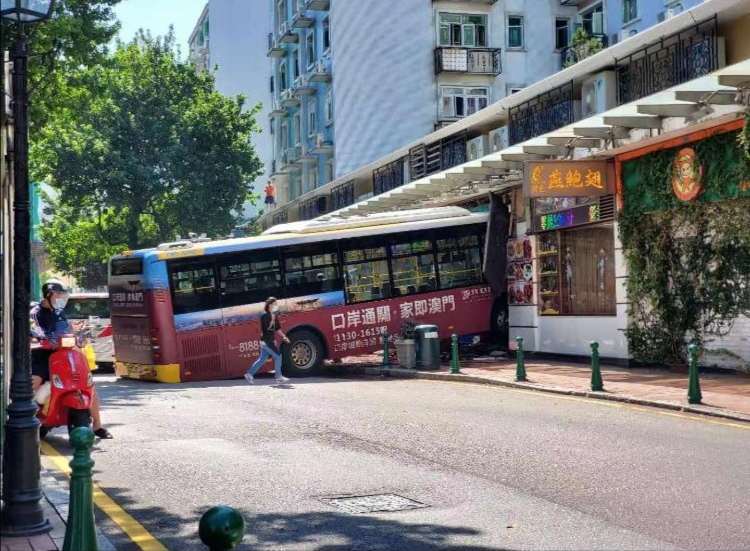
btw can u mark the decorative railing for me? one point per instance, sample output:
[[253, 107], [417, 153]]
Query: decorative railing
[[675, 59], [431, 158], [342, 195], [480, 61], [388, 177], [544, 113], [570, 55], [312, 208], [280, 217]]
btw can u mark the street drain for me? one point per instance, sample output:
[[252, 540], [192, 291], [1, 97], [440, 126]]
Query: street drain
[[377, 503]]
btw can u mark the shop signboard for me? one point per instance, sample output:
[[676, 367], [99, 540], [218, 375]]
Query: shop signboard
[[581, 214], [579, 178]]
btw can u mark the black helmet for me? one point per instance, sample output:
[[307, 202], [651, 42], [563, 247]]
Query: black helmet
[[53, 286]]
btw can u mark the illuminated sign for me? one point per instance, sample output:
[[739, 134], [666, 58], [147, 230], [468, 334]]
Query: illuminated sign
[[567, 179], [576, 216]]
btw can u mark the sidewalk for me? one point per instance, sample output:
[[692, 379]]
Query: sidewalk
[[56, 489], [725, 395]]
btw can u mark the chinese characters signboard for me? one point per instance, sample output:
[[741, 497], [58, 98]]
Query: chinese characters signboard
[[566, 179], [581, 214]]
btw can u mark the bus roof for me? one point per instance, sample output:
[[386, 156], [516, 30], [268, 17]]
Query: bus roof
[[299, 233]]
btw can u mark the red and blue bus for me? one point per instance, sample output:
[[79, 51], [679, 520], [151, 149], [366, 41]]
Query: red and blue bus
[[189, 311]]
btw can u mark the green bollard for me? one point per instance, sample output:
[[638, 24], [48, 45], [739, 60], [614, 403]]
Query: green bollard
[[80, 532], [454, 355], [386, 351], [520, 364], [596, 372], [221, 528], [694, 387]]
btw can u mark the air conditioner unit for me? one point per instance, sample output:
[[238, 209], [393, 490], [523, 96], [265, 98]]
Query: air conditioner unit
[[599, 94], [625, 34], [284, 28], [320, 66], [498, 139], [320, 140], [477, 148]]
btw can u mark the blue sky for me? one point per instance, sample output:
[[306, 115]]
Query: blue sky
[[157, 15]]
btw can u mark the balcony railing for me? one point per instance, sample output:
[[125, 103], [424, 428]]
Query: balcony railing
[[570, 55], [275, 49], [280, 217], [544, 113], [673, 60], [388, 177], [290, 158], [479, 61], [342, 195], [318, 5], [431, 158], [312, 208]]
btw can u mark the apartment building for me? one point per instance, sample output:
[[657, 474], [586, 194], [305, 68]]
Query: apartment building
[[230, 36]]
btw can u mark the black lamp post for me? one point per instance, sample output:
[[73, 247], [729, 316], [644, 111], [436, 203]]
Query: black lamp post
[[22, 489]]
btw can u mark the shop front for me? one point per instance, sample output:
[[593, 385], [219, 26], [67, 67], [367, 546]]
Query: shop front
[[562, 269]]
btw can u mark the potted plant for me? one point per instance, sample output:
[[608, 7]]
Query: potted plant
[[406, 346]]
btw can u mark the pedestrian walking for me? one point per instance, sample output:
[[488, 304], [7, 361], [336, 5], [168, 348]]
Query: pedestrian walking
[[269, 327]]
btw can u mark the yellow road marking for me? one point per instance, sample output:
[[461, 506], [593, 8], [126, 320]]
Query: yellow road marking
[[127, 524], [598, 402]]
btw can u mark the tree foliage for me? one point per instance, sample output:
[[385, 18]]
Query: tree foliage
[[142, 150]]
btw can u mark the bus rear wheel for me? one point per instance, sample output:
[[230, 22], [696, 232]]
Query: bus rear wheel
[[304, 355]]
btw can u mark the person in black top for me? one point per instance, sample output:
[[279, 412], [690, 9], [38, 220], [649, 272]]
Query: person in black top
[[48, 322], [269, 326]]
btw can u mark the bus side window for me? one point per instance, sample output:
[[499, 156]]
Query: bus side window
[[311, 269], [460, 261], [250, 277], [366, 269], [194, 287], [413, 263]]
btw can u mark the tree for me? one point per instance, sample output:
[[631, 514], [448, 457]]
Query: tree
[[144, 149]]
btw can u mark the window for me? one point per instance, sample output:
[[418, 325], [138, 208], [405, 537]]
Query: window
[[271, 84], [413, 264], [194, 287], [312, 119], [283, 79], [314, 177], [514, 89], [328, 108], [629, 10], [83, 308], [561, 34], [463, 30], [297, 64], [311, 269], [457, 101], [593, 21], [459, 260], [284, 136], [281, 12], [127, 266], [329, 172], [515, 32], [366, 273], [326, 34], [297, 129], [249, 277], [310, 48]]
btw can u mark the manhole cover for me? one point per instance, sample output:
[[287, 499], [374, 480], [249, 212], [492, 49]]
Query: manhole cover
[[373, 503]]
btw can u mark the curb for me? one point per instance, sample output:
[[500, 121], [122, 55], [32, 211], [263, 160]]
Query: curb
[[623, 398]]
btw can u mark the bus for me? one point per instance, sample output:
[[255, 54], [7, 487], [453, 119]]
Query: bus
[[189, 311]]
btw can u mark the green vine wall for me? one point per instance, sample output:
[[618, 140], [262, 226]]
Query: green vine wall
[[688, 262]]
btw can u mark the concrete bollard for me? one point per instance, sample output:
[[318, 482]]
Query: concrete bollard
[[386, 351], [80, 532], [596, 373], [221, 528], [694, 386], [520, 364], [454, 355]]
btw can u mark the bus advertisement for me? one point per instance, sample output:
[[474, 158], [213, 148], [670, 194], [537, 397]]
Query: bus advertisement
[[189, 311]]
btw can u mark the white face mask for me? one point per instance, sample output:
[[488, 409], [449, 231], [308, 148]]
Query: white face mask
[[59, 303]]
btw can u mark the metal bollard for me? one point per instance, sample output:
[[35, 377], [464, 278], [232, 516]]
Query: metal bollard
[[596, 372], [520, 364], [80, 532], [221, 528], [386, 352], [694, 386], [454, 355]]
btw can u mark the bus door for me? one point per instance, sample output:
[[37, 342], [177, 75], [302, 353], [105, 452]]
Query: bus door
[[198, 319], [248, 278]]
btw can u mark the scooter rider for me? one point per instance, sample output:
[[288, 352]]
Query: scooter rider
[[48, 317]]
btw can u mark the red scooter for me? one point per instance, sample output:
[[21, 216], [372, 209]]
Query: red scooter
[[70, 387]]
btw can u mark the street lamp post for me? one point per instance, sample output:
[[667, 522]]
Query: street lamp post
[[22, 489]]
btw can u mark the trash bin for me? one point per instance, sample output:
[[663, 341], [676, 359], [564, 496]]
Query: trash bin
[[428, 346]]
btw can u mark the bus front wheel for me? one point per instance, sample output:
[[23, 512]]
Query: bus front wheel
[[304, 355]]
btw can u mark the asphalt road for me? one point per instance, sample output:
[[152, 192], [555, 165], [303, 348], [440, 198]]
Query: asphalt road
[[495, 468]]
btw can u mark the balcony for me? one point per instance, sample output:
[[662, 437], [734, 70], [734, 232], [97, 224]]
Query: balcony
[[290, 159], [306, 155], [288, 100], [673, 60], [276, 169], [302, 87], [342, 195], [300, 19], [287, 34], [322, 146], [312, 208], [388, 177], [544, 113], [281, 217], [318, 5], [274, 48], [478, 61], [321, 72], [276, 110], [570, 55]]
